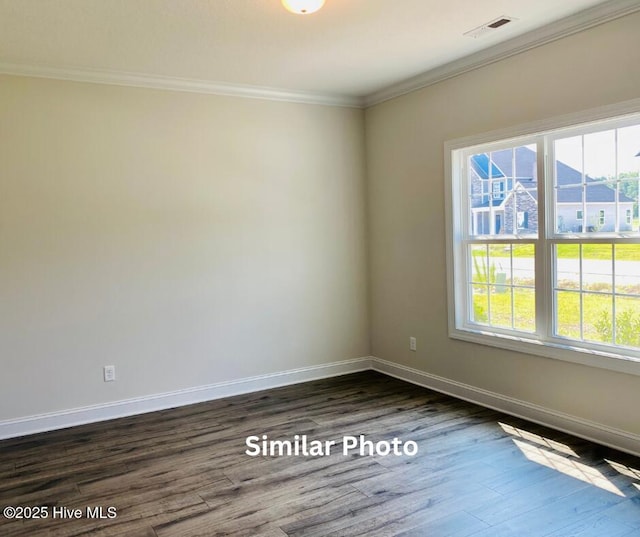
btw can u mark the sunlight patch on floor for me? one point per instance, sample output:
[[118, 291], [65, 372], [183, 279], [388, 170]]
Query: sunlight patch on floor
[[537, 439], [624, 470], [567, 466]]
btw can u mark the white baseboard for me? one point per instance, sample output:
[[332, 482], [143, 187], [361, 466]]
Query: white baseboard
[[582, 428], [140, 405], [589, 430]]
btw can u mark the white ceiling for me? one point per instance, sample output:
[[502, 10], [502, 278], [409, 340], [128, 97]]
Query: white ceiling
[[351, 48]]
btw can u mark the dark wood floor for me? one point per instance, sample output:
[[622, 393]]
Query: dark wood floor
[[184, 472]]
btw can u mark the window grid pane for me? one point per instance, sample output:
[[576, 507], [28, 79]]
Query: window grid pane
[[596, 182], [597, 293], [502, 285], [502, 191]]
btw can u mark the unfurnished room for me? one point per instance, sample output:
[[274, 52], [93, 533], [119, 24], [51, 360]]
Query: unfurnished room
[[296, 268]]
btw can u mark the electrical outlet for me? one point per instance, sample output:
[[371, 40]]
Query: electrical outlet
[[109, 373], [412, 344]]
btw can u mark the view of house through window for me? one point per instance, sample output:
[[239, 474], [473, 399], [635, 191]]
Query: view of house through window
[[503, 275], [597, 285], [563, 204], [597, 175], [510, 175]]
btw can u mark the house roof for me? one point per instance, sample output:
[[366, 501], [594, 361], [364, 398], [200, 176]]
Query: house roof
[[569, 180], [480, 164], [522, 185]]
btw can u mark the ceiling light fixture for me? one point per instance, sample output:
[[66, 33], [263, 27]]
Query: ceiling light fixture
[[303, 7]]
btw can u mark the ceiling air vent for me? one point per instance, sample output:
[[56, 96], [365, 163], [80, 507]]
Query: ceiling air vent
[[489, 27]]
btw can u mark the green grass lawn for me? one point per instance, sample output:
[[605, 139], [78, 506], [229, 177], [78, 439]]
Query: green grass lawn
[[597, 313], [502, 308], [624, 252]]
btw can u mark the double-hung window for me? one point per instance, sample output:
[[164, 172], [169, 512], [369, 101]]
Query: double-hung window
[[550, 263]]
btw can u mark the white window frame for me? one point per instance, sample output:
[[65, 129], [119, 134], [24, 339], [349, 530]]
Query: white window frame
[[542, 342]]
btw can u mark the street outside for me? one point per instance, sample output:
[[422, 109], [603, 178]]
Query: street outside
[[593, 270]]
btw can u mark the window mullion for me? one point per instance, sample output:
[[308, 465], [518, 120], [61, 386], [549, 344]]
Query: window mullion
[[585, 214], [613, 293], [544, 313], [581, 272], [617, 186], [490, 198]]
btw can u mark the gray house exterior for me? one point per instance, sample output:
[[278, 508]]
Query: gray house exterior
[[504, 197]]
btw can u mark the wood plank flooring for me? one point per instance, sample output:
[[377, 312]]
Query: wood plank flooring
[[184, 472]]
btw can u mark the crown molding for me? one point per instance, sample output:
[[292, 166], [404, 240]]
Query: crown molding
[[573, 24], [178, 84]]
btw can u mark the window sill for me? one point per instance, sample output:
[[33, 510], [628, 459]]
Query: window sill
[[612, 361]]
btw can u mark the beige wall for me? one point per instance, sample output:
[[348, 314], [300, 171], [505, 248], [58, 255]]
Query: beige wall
[[405, 140], [187, 239], [191, 239]]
